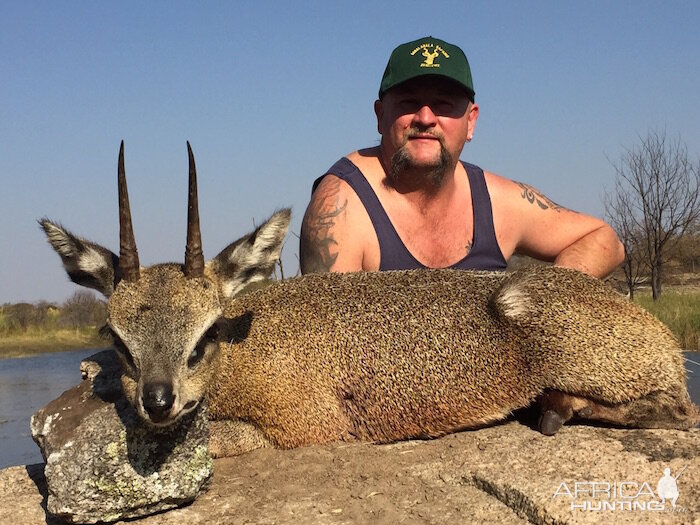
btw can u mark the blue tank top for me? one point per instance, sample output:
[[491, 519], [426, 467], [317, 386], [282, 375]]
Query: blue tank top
[[484, 254]]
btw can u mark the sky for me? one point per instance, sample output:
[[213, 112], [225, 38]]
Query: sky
[[271, 94]]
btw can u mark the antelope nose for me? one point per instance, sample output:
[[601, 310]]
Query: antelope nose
[[158, 400]]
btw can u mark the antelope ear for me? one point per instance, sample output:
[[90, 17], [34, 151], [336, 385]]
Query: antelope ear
[[253, 256], [87, 264]]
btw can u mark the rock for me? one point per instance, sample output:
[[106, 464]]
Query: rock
[[103, 463], [505, 474]]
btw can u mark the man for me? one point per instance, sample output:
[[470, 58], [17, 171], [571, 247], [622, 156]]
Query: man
[[410, 202]]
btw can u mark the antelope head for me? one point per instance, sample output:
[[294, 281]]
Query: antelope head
[[165, 318]]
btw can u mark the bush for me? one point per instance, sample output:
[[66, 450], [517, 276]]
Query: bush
[[82, 309], [18, 317]]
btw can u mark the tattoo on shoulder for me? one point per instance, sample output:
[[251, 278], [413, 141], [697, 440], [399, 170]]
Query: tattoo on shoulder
[[318, 249], [533, 196]]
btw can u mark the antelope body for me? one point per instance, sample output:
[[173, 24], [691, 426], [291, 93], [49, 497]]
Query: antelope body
[[371, 356]]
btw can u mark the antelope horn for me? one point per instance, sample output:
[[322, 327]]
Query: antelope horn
[[194, 258], [128, 255]]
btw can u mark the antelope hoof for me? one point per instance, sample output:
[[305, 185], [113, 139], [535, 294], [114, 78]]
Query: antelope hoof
[[585, 412], [550, 422]]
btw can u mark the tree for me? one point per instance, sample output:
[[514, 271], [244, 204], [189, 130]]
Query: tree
[[619, 214], [83, 309], [656, 200]]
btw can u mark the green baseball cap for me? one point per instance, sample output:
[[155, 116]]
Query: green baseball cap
[[427, 56]]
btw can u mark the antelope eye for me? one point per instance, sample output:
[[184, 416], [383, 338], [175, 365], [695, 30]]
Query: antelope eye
[[198, 353], [212, 333], [196, 356], [121, 348]]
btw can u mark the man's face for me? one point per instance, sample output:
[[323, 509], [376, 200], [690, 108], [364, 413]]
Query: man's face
[[424, 124]]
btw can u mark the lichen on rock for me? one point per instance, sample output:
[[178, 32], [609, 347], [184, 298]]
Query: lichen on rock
[[103, 463]]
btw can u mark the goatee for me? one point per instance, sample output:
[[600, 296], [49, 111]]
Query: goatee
[[402, 163]]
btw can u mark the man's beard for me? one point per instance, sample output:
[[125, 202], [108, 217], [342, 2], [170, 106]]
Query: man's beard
[[402, 163]]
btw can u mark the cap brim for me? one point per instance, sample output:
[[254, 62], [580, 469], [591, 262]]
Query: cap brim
[[469, 92]]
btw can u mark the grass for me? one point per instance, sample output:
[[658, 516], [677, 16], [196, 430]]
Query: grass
[[679, 310], [39, 341]]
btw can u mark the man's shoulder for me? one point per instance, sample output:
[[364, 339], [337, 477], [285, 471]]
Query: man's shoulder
[[498, 181], [490, 176], [333, 175], [350, 180], [504, 193], [368, 164], [343, 164], [366, 159], [336, 184], [470, 165], [494, 181]]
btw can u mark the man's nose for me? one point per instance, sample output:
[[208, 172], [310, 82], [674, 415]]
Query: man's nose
[[425, 116]]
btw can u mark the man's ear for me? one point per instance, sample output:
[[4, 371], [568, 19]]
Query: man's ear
[[253, 256], [86, 263], [379, 112], [473, 110]]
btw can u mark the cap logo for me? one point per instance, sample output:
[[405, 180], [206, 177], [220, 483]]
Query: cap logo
[[430, 52]]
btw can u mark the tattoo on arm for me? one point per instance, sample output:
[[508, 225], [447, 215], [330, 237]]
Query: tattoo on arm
[[533, 196], [468, 247], [318, 249]]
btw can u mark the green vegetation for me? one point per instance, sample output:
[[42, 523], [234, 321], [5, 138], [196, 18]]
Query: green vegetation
[[59, 340], [680, 310], [27, 329]]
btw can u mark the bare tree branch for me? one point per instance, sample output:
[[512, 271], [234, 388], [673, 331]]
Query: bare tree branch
[[656, 200]]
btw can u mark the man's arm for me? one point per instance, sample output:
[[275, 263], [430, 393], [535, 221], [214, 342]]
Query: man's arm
[[550, 232], [326, 243], [597, 253]]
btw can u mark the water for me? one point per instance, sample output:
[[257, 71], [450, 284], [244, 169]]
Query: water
[[27, 384], [692, 366]]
